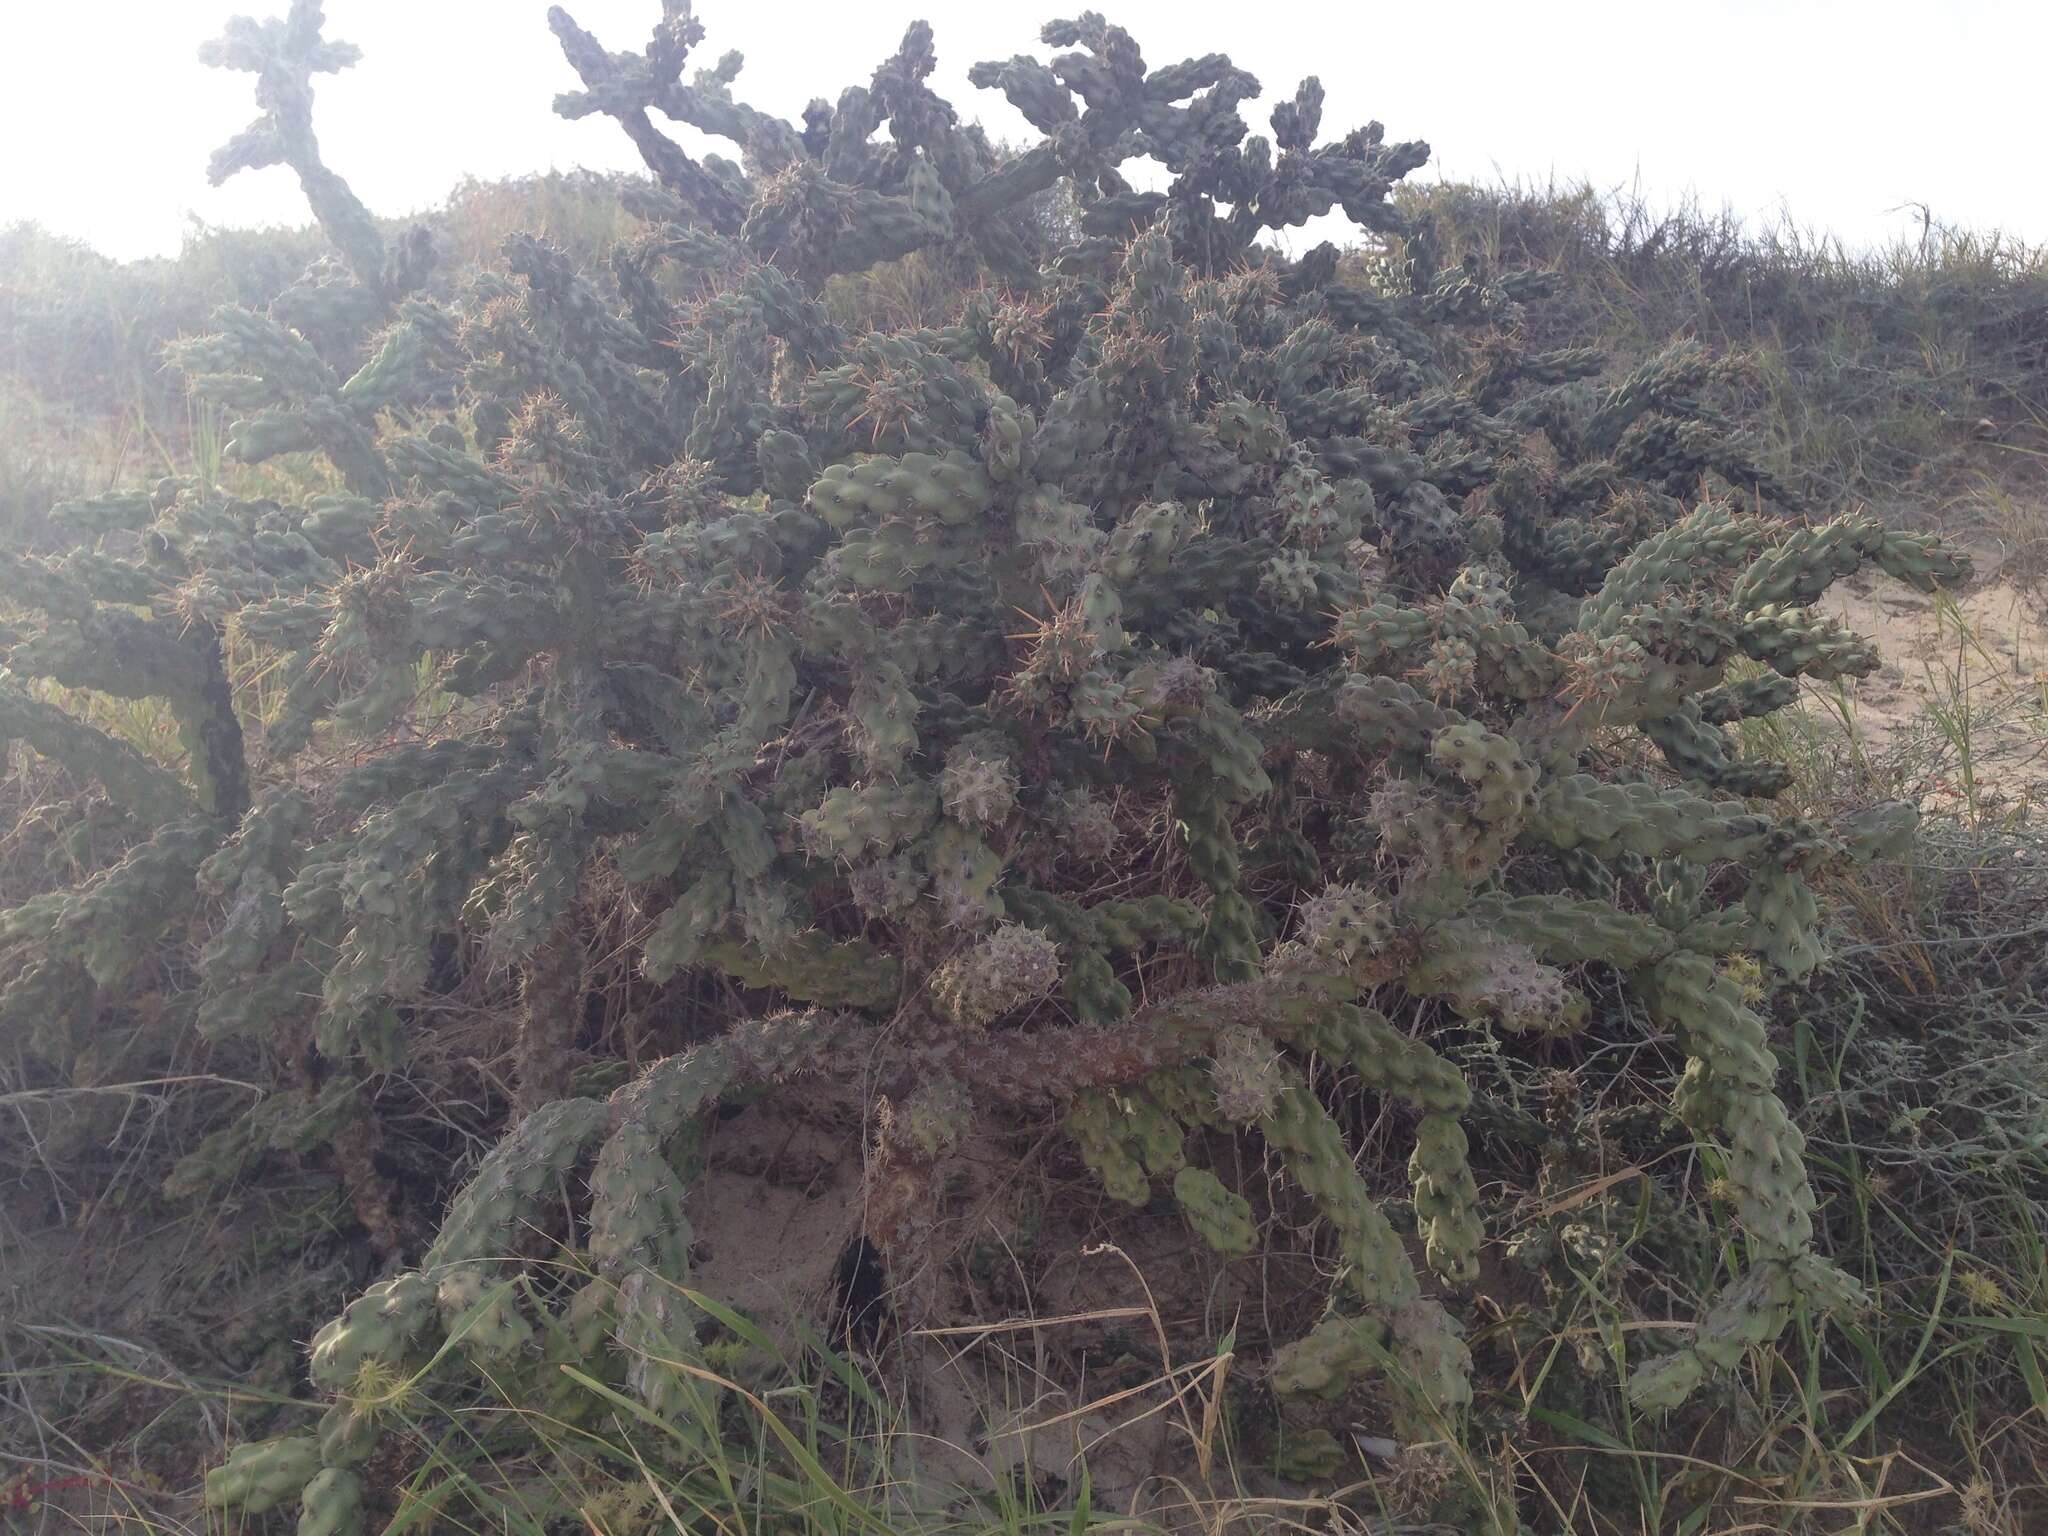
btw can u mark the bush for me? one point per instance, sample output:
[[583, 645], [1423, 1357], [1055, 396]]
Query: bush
[[1900, 375], [1181, 669]]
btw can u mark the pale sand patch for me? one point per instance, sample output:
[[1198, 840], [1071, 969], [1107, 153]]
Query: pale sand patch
[[1976, 659]]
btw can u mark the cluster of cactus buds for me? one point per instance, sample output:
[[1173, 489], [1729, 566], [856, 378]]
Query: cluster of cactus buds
[[963, 683]]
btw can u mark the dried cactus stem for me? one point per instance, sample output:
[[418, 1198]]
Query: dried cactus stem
[[550, 1011], [899, 1192], [371, 1196], [1055, 1065]]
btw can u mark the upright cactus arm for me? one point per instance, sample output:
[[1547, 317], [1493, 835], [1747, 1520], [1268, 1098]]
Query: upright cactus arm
[[1672, 378], [284, 55], [1708, 540], [210, 729], [625, 89]]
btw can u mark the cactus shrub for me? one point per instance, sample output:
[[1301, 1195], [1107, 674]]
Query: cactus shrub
[[1405, 654]]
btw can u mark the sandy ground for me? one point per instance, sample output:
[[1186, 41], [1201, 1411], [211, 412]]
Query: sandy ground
[[1977, 660], [1004, 1360]]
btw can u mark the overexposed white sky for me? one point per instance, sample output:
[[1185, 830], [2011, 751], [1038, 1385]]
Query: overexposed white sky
[[1838, 112]]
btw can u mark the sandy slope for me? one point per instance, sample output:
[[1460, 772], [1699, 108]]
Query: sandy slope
[[1981, 658]]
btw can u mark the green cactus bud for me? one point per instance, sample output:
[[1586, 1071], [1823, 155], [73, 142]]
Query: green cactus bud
[[1801, 643], [262, 1475], [1096, 1128], [656, 1329], [379, 1326], [1379, 1274], [1922, 561], [1220, 1218], [878, 817], [1446, 1199], [813, 968], [1082, 826], [937, 1118], [479, 1314], [1144, 541], [332, 1504], [1383, 633], [348, 1434], [1567, 931], [1343, 921], [1156, 1132], [1384, 1058], [1785, 920], [1329, 1360], [1484, 975], [887, 887], [1501, 782], [1579, 811], [965, 871], [884, 716], [1230, 943]]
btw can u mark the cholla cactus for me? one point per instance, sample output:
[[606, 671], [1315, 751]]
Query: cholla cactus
[[853, 661]]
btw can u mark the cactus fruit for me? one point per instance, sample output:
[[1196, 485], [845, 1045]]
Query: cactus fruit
[[1012, 967], [1081, 702], [977, 789], [1342, 920], [1245, 1074]]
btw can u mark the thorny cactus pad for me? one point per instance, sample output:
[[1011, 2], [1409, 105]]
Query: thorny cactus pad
[[1404, 654]]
